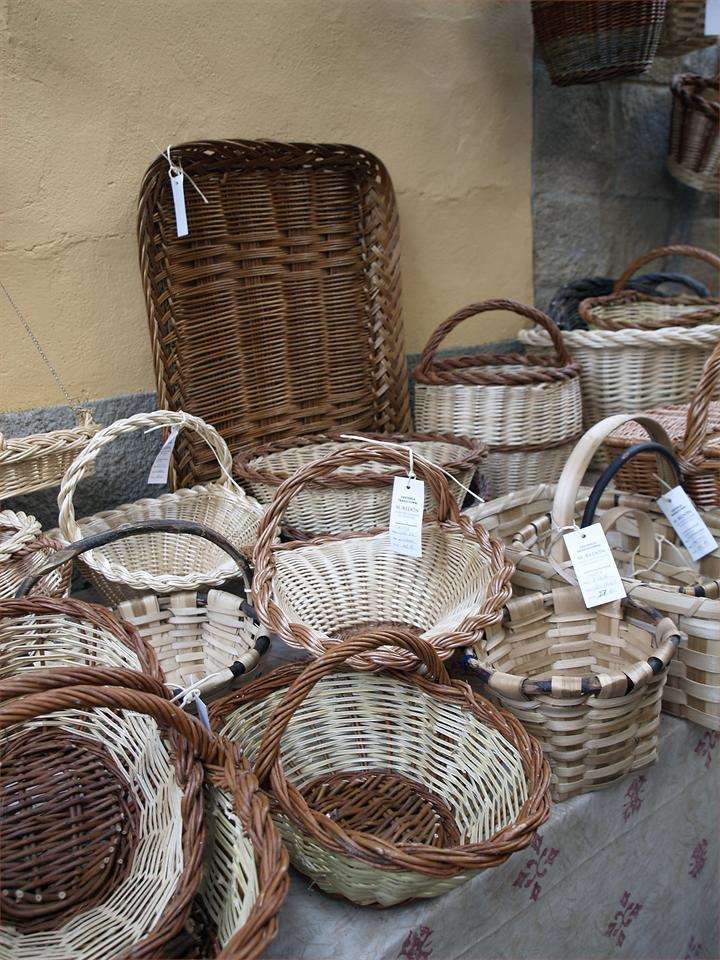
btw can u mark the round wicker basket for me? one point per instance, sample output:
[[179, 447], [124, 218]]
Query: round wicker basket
[[375, 804], [694, 153], [357, 498]]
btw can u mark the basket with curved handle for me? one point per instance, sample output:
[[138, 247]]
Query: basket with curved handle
[[677, 249], [690, 454], [530, 369]]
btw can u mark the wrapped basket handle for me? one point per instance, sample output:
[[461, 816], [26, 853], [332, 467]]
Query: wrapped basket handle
[[678, 249], [74, 549], [140, 421], [484, 306], [296, 693], [690, 455]]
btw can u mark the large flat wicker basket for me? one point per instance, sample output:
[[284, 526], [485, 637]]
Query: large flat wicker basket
[[279, 314], [527, 409], [694, 152], [386, 787]]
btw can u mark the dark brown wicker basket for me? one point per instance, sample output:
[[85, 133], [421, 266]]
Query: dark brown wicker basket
[[585, 41], [694, 154], [279, 313]]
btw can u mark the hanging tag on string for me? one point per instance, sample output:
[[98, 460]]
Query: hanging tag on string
[[177, 179], [594, 565], [161, 465], [406, 514], [687, 523]]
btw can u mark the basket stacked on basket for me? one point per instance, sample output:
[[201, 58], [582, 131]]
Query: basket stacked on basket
[[527, 409], [694, 153]]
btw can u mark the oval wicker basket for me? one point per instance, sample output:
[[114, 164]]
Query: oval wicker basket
[[354, 499], [161, 562], [694, 152], [374, 804], [526, 408], [586, 42], [317, 592], [117, 875], [23, 549]]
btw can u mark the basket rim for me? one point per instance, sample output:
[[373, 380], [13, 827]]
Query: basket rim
[[688, 87], [475, 451], [704, 335], [27, 530], [35, 445]]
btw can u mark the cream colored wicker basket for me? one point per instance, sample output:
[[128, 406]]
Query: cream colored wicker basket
[[526, 408], [162, 562], [317, 592], [357, 498], [23, 549]]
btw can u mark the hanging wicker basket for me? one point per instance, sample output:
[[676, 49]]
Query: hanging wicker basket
[[694, 152], [162, 562], [24, 549], [117, 875], [374, 803], [683, 28], [526, 408], [586, 42], [315, 593], [357, 498]]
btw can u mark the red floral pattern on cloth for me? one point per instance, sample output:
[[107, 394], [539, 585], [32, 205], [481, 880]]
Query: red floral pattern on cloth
[[698, 858], [536, 867], [417, 945], [623, 918], [633, 799], [694, 949], [706, 744]]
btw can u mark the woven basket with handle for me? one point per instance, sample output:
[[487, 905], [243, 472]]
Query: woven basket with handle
[[694, 152], [314, 593], [106, 860], [161, 562], [526, 409], [23, 549], [387, 787], [357, 498]]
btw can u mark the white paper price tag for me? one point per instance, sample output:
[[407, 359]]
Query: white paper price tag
[[712, 18], [406, 514], [161, 464], [594, 565], [178, 192], [687, 523]]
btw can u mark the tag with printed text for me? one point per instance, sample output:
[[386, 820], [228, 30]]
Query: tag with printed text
[[178, 192], [687, 523], [161, 465], [594, 565], [406, 515]]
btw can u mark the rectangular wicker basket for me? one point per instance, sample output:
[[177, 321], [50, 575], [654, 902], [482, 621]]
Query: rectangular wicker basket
[[279, 313]]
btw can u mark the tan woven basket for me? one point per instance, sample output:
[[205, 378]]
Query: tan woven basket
[[683, 28], [694, 152], [526, 408], [357, 498], [117, 875], [315, 593], [23, 549], [162, 562], [387, 787], [694, 430]]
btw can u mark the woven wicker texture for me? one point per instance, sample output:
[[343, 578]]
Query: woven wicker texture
[[694, 430], [279, 314], [435, 761], [694, 151], [22, 550], [526, 408], [316, 592], [683, 28], [161, 562], [585, 42], [357, 498], [38, 461]]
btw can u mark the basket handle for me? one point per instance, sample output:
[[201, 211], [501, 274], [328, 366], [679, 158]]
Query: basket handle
[[74, 549], [675, 249], [511, 306], [269, 749], [566, 490], [140, 421], [690, 454]]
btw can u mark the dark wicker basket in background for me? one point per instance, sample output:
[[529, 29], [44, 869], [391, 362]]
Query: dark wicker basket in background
[[694, 154]]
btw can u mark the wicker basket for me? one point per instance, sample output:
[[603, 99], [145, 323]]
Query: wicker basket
[[315, 593], [386, 787], [23, 549], [117, 875], [586, 42], [684, 28], [38, 461], [526, 408], [358, 498], [694, 430], [694, 152], [279, 314], [162, 562]]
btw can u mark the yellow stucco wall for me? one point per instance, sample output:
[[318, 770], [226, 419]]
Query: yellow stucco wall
[[439, 89]]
